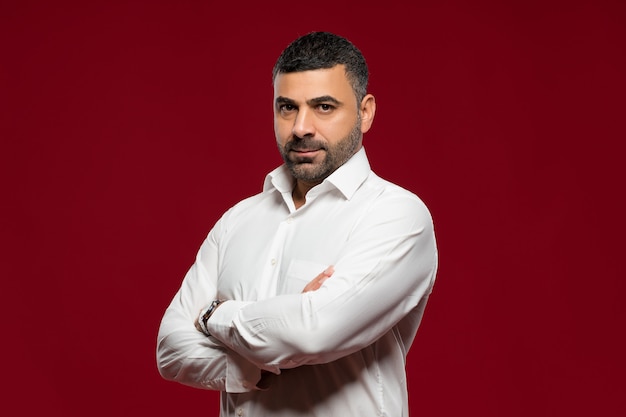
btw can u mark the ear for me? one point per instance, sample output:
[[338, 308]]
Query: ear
[[368, 110]]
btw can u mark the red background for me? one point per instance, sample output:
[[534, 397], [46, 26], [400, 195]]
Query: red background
[[127, 128]]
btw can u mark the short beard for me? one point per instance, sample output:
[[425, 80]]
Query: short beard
[[336, 155]]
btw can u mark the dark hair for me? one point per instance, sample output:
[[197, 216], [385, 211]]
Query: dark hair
[[323, 50]]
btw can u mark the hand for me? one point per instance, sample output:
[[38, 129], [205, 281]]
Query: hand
[[317, 282]]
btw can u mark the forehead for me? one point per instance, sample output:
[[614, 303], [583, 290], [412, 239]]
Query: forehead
[[306, 85]]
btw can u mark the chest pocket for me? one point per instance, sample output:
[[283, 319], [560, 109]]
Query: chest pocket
[[299, 273]]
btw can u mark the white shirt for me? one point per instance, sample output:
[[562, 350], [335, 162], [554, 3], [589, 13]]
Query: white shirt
[[337, 351]]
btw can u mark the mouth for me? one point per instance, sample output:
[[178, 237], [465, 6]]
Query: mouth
[[305, 150], [305, 153]]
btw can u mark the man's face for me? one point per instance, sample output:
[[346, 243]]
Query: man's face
[[316, 122]]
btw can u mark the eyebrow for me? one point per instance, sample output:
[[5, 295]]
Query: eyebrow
[[323, 99], [310, 102], [284, 100]]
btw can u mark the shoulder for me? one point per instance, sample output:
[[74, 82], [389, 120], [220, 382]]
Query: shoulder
[[392, 196], [253, 206], [260, 201]]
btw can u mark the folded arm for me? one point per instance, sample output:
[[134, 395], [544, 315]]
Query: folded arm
[[186, 355], [386, 270]]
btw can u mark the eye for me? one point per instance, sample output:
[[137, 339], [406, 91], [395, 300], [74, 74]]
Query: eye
[[326, 108], [286, 108]]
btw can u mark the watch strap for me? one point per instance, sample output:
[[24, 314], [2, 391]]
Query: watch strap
[[205, 315]]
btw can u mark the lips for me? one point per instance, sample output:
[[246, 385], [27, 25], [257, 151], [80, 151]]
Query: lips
[[305, 155], [305, 150], [305, 145]]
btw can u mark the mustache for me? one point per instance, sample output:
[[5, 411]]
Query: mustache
[[304, 144]]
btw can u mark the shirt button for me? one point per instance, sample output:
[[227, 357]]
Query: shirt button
[[273, 262], [240, 411], [289, 219]]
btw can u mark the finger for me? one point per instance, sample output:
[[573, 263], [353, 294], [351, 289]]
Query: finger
[[327, 273], [323, 276], [317, 282]]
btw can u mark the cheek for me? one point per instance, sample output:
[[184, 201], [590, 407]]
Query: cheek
[[282, 131], [337, 129]]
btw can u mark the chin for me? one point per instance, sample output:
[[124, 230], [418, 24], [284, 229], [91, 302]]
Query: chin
[[310, 172]]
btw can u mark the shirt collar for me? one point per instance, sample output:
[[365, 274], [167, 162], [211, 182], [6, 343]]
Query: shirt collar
[[346, 179]]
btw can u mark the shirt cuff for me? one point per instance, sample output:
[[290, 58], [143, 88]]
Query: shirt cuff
[[221, 320]]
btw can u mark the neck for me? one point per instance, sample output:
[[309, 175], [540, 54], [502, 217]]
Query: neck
[[299, 192]]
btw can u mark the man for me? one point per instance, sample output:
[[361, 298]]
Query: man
[[304, 299]]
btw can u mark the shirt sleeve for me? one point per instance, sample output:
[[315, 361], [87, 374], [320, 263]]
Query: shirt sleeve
[[188, 356], [385, 273]]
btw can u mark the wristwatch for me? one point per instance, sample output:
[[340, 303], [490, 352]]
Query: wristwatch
[[205, 314]]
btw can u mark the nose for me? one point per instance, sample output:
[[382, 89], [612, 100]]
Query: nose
[[304, 124]]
